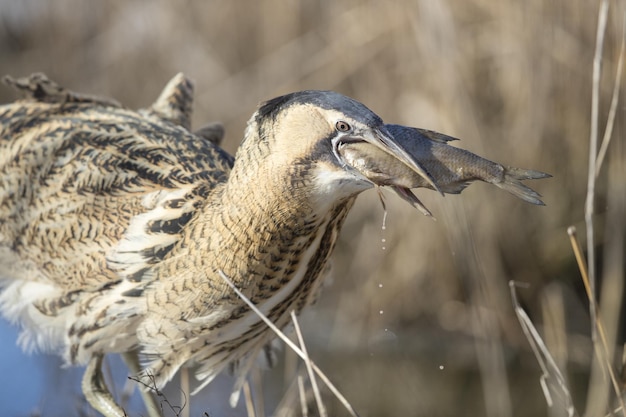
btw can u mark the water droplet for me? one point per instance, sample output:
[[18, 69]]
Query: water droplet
[[384, 226], [380, 312], [383, 240], [380, 285], [384, 247], [441, 367]]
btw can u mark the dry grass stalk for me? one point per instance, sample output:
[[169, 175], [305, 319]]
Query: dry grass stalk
[[608, 131], [551, 380], [302, 395], [247, 394], [184, 389], [603, 352], [593, 148], [597, 394], [290, 344], [309, 368]]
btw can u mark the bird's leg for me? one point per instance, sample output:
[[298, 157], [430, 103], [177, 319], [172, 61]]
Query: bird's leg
[[132, 362], [96, 391]]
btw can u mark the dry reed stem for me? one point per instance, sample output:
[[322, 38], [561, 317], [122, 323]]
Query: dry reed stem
[[597, 388], [608, 131], [184, 388], [546, 362], [290, 344], [307, 361], [596, 394], [604, 355], [302, 396], [247, 394], [593, 149]]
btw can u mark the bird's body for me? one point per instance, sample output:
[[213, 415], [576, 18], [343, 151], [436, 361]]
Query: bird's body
[[115, 225]]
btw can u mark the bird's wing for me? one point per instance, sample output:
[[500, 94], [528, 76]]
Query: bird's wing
[[90, 190]]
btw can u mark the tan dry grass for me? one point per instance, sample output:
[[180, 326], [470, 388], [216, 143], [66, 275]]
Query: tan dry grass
[[511, 78]]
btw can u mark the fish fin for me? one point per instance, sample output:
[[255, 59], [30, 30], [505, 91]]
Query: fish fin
[[455, 187], [408, 195], [513, 184], [436, 136]]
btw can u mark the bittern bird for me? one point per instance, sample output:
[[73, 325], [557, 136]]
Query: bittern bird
[[115, 225]]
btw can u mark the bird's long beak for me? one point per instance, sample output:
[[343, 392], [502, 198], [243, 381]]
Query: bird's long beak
[[383, 161], [378, 156]]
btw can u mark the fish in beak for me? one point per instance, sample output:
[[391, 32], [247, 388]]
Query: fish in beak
[[406, 158], [356, 151]]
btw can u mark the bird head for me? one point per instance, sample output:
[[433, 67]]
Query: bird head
[[304, 137]]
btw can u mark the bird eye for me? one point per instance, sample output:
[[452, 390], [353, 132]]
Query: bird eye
[[342, 126]]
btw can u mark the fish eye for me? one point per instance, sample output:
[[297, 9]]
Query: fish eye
[[342, 126]]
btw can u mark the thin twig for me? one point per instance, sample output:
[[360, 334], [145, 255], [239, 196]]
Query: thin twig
[[289, 343], [548, 366], [309, 368], [247, 394], [184, 389], [593, 149], [153, 387], [302, 392], [608, 131]]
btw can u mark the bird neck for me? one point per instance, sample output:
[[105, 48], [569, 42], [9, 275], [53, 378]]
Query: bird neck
[[266, 225], [260, 230], [262, 203]]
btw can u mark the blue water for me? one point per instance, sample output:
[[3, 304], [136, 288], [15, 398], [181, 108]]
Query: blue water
[[23, 377], [39, 385]]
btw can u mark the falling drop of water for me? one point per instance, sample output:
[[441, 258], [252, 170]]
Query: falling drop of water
[[384, 226], [381, 312], [380, 285]]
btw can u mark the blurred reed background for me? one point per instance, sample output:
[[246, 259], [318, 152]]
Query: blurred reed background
[[418, 319]]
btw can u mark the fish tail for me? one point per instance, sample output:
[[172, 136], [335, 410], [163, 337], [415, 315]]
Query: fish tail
[[525, 174], [512, 183]]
